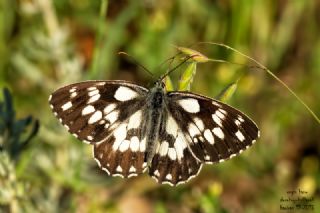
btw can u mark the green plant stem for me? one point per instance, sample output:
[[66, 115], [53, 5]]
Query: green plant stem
[[101, 29]]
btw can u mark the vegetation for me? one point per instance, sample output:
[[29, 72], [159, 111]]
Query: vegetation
[[47, 44]]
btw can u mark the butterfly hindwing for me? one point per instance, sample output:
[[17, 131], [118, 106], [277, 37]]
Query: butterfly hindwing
[[215, 130], [173, 162], [123, 153], [91, 110]]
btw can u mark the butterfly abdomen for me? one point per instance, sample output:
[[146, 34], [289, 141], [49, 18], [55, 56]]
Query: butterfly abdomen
[[153, 121]]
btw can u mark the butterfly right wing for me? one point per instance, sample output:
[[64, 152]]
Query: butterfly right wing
[[173, 163], [97, 112], [215, 131]]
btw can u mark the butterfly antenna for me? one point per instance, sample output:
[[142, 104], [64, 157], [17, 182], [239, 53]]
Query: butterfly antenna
[[176, 67], [136, 62]]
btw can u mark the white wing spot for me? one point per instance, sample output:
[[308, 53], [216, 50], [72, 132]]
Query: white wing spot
[[208, 135], [125, 94], [88, 109], [73, 89], [240, 136], [93, 92], [124, 146], [93, 98], [169, 176], [237, 122], [50, 97], [106, 170], [95, 117], [199, 123], [92, 88], [164, 148], [172, 126], [101, 83], [67, 127], [233, 155], [119, 169], [190, 105], [74, 94], [109, 108], [134, 144], [135, 120], [156, 173], [98, 162], [216, 119], [172, 154], [143, 145], [218, 132], [112, 117], [216, 104], [132, 175], [221, 113], [119, 134], [84, 141], [240, 118], [180, 145], [221, 160], [106, 126], [66, 106], [101, 122], [89, 137], [193, 130], [132, 169]]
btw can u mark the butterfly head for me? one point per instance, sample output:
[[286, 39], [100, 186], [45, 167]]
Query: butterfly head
[[160, 84]]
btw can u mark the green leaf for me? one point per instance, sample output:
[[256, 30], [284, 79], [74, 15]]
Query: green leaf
[[187, 77], [168, 83], [196, 56], [227, 92]]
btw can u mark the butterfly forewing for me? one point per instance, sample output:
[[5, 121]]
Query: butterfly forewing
[[215, 131], [91, 110]]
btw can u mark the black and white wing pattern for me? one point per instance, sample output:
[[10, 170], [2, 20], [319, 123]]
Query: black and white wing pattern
[[133, 129], [197, 129], [106, 114], [213, 130], [173, 162]]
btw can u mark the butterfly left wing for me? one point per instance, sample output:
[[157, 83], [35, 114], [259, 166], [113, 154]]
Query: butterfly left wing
[[98, 112], [214, 131]]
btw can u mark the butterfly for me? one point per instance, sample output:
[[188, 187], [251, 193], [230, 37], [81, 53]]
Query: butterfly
[[133, 129]]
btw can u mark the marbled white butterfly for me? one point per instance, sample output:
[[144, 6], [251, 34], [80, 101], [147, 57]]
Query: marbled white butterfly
[[133, 129]]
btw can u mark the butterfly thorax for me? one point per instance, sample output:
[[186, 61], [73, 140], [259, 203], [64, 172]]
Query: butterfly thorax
[[156, 109]]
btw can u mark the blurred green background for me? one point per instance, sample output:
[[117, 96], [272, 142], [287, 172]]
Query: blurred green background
[[47, 44]]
